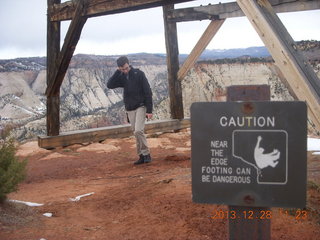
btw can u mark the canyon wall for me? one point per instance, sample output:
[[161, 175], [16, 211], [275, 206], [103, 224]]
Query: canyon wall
[[86, 102]]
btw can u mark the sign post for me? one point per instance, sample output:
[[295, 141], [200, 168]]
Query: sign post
[[255, 227], [249, 154]]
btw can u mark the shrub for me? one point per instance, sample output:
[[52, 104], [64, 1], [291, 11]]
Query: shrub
[[12, 170], [5, 130]]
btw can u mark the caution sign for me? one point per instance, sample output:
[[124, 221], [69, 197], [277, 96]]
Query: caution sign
[[249, 153]]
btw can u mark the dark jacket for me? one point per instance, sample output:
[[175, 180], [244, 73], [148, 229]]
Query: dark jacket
[[136, 89]]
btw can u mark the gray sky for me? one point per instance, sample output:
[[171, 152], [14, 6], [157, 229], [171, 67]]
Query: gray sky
[[23, 31]]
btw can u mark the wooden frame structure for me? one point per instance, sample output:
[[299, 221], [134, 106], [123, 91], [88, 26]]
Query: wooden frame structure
[[300, 77]]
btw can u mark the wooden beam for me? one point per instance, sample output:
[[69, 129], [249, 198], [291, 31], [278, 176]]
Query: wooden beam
[[201, 45], [296, 69], [53, 49], [65, 11], [100, 134], [232, 9], [69, 46], [175, 88]]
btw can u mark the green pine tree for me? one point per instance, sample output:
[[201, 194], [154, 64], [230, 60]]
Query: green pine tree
[[12, 170]]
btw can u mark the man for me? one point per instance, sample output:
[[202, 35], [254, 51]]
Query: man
[[137, 98]]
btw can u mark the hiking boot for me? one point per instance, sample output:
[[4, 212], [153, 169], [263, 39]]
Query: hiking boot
[[140, 160], [147, 158]]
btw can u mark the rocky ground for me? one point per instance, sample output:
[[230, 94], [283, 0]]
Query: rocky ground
[[123, 201]]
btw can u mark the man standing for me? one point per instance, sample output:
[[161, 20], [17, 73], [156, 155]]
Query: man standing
[[137, 98]]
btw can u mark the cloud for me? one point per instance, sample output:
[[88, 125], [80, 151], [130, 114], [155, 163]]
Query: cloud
[[22, 24], [302, 25], [23, 27], [125, 25]]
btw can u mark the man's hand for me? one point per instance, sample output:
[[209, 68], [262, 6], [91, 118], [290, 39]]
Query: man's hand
[[149, 116]]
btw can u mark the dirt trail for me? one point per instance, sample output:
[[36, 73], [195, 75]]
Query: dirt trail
[[150, 201]]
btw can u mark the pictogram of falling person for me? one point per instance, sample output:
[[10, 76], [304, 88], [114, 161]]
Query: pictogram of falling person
[[264, 160]]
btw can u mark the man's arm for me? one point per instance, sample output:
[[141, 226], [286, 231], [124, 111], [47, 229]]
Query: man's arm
[[147, 95], [116, 80]]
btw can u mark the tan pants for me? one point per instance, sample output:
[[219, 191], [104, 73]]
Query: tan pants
[[137, 120]]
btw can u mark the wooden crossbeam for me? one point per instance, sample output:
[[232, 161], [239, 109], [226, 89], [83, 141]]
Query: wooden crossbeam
[[65, 11], [232, 9], [295, 68], [100, 134], [69, 46], [201, 45]]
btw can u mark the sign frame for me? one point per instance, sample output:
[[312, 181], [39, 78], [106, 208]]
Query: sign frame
[[290, 127]]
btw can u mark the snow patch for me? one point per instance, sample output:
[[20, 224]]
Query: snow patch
[[313, 144], [47, 214], [30, 204], [77, 198]]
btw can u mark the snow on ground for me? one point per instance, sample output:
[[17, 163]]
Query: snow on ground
[[313, 145]]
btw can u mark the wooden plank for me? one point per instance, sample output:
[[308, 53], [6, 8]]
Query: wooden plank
[[53, 49], [252, 228], [100, 134], [201, 45], [248, 93], [65, 11], [232, 9], [175, 88], [295, 68], [69, 46]]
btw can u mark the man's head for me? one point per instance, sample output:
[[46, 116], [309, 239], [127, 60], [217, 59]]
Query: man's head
[[123, 64]]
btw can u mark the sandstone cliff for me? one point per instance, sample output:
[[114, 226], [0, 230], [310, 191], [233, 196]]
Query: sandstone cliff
[[86, 102]]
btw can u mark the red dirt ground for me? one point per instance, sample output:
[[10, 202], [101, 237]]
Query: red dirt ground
[[149, 201]]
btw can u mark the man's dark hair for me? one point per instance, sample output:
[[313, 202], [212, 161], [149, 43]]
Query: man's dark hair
[[122, 61]]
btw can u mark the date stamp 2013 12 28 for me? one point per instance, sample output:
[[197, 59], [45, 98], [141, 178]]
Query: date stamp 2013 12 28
[[260, 214]]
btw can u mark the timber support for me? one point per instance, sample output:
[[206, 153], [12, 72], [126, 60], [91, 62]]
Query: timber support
[[201, 45], [175, 88], [300, 77], [100, 134], [299, 74], [58, 61], [53, 49]]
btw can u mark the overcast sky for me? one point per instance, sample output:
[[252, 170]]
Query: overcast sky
[[23, 30]]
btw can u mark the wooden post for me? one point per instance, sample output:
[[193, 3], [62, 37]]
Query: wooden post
[[69, 46], [250, 226], [201, 45], [58, 61], [296, 69], [53, 49], [175, 88]]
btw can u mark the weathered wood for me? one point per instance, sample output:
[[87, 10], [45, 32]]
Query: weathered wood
[[175, 88], [69, 46], [53, 49], [252, 228], [296, 69], [201, 45], [100, 134], [248, 93], [232, 9], [65, 11], [53, 115]]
